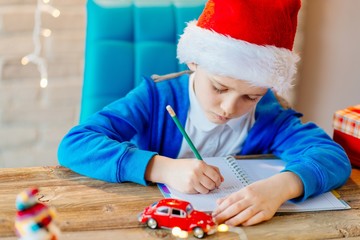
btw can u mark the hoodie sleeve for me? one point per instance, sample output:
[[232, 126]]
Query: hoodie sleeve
[[321, 164], [102, 146]]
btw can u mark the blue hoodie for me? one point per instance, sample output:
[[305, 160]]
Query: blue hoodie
[[117, 143]]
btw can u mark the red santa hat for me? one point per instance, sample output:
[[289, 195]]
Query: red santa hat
[[250, 40]]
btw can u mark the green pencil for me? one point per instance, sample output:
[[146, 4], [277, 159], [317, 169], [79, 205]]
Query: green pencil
[[182, 130]]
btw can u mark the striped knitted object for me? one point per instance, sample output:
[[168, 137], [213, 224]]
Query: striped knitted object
[[34, 219]]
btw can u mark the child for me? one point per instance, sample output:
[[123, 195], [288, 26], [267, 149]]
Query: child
[[240, 54]]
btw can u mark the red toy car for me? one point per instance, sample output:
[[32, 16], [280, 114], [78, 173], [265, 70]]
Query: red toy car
[[170, 213]]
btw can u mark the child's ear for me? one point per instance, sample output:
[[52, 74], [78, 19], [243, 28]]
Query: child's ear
[[192, 66]]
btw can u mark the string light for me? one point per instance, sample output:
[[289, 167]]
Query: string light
[[222, 228], [177, 232], [237, 230], [35, 57]]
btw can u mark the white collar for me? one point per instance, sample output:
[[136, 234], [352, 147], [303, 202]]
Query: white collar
[[198, 118]]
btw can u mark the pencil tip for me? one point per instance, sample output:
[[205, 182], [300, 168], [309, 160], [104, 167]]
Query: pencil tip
[[170, 110]]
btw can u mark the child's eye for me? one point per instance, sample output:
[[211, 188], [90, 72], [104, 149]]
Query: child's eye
[[254, 99], [217, 90]]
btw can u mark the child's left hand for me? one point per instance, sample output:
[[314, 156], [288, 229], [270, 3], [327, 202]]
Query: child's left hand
[[259, 201]]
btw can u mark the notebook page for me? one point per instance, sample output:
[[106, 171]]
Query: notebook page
[[207, 202], [258, 169], [239, 173], [325, 201]]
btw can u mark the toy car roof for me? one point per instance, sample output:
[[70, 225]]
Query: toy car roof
[[171, 202]]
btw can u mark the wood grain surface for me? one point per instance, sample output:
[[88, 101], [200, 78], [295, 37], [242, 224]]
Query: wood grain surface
[[92, 209]]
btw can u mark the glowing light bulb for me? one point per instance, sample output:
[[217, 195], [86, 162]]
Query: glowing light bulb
[[223, 228], [176, 231], [46, 32], [183, 234], [43, 82], [55, 13], [25, 60]]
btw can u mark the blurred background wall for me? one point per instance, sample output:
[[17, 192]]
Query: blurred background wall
[[33, 120], [329, 74]]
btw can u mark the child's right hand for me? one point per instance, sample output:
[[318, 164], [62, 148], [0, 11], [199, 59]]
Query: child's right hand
[[184, 175], [193, 176]]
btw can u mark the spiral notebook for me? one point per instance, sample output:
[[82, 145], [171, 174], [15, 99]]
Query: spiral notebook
[[240, 173]]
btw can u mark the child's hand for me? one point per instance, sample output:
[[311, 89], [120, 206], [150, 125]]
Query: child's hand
[[184, 175], [194, 176], [259, 201]]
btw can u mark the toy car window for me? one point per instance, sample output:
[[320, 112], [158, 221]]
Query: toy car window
[[189, 208], [178, 213], [183, 214], [162, 211]]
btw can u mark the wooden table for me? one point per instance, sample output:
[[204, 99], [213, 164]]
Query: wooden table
[[92, 209]]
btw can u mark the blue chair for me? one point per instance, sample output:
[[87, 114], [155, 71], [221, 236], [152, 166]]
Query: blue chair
[[126, 39]]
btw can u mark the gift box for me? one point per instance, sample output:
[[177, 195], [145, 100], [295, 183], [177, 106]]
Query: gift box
[[347, 132]]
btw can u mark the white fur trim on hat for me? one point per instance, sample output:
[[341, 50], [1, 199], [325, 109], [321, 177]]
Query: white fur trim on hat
[[264, 66]]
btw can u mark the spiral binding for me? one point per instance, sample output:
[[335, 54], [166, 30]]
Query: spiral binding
[[240, 174]]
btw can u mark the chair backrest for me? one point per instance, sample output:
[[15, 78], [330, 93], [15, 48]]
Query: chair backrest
[[126, 39]]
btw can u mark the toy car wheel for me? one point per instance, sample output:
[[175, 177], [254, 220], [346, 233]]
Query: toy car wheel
[[198, 232], [151, 223]]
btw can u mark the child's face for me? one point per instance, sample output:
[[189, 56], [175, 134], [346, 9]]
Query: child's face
[[224, 98]]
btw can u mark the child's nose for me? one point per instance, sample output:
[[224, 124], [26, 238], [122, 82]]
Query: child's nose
[[229, 106]]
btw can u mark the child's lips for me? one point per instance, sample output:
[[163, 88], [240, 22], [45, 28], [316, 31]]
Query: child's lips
[[222, 118]]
